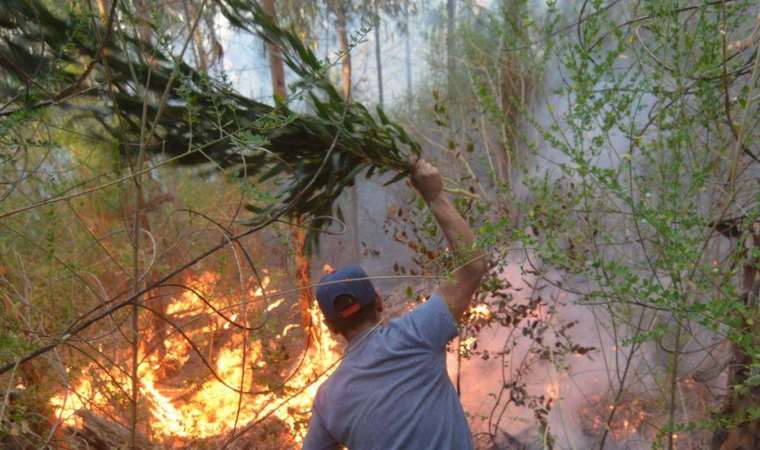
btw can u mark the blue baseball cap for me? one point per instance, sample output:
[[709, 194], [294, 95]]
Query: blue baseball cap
[[351, 281]]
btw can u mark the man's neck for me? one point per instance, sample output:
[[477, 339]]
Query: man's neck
[[351, 334]]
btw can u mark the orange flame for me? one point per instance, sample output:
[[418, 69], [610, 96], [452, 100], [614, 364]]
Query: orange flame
[[629, 417], [209, 408]]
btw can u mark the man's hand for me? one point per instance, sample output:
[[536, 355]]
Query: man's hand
[[427, 180]]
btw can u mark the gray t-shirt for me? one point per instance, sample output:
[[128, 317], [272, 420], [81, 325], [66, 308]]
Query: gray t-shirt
[[391, 391]]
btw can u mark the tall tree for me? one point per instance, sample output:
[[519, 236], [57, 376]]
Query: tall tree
[[393, 9], [201, 58], [301, 255], [207, 49], [276, 66], [341, 10], [344, 11], [139, 225]]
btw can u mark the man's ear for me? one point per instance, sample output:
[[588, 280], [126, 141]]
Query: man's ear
[[378, 303]]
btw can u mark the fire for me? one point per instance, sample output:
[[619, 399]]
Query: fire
[[480, 311], [467, 345], [629, 417], [212, 407], [552, 390]]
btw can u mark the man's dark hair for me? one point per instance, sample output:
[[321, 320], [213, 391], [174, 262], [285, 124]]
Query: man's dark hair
[[366, 314]]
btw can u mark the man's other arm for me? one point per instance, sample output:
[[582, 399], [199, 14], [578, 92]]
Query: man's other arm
[[458, 291]]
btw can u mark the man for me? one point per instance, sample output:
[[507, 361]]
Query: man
[[391, 390]]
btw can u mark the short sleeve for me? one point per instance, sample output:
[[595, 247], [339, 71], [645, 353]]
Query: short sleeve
[[430, 324], [318, 438]]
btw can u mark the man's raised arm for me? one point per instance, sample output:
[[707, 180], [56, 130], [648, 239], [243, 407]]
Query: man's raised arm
[[457, 292]]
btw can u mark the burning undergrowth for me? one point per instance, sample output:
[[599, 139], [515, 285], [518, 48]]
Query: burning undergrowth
[[537, 370], [622, 419], [628, 417], [212, 377]]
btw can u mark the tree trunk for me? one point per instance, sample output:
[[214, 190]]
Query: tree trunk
[[201, 58], [139, 223], [745, 435], [276, 65], [303, 277], [378, 58], [341, 28], [301, 256], [102, 11]]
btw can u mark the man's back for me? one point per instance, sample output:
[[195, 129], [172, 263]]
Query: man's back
[[392, 391]]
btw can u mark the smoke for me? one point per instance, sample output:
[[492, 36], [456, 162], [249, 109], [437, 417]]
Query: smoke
[[619, 376]]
